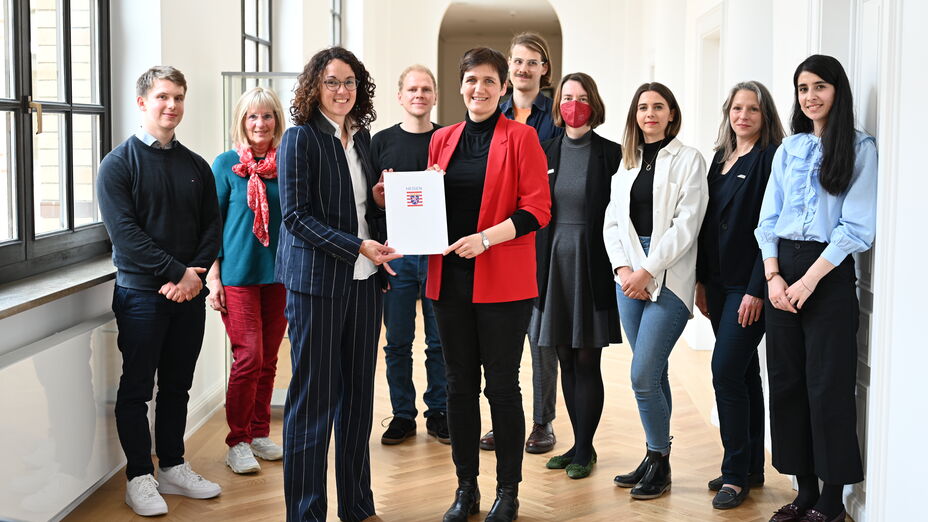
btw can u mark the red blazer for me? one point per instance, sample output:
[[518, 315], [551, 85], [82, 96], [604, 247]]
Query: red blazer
[[516, 179]]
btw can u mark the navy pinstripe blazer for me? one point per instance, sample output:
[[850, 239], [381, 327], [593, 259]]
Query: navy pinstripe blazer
[[318, 235]]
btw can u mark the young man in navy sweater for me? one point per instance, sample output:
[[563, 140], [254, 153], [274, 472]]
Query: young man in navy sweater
[[158, 202]]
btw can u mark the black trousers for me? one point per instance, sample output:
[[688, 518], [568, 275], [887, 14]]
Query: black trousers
[[812, 364], [739, 393], [491, 336], [155, 334]]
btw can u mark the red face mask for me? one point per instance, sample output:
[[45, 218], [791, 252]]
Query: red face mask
[[576, 113]]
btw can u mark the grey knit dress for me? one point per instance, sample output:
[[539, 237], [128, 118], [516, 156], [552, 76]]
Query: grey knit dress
[[570, 318]]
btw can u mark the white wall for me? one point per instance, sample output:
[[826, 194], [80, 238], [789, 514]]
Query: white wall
[[895, 454]]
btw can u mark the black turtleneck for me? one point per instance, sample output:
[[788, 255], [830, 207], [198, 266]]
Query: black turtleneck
[[464, 178], [641, 206]]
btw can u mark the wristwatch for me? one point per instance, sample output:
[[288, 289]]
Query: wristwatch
[[771, 275], [485, 240]]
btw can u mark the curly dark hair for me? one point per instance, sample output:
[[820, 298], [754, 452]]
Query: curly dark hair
[[307, 93]]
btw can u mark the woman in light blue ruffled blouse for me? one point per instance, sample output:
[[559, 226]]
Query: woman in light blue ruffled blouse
[[819, 209]]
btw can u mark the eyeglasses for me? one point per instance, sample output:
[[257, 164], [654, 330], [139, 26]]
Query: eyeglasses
[[531, 64], [333, 85]]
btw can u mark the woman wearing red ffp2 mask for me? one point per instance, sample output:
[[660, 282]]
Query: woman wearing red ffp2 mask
[[576, 312]]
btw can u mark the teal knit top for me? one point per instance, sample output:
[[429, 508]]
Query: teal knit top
[[243, 259]]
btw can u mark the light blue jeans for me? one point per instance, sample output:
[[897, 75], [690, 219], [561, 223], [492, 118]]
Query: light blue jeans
[[652, 328]]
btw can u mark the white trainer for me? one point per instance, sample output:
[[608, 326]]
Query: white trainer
[[266, 449], [241, 459], [181, 480], [143, 497]]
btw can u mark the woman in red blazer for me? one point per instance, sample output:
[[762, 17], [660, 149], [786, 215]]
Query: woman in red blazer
[[483, 286]]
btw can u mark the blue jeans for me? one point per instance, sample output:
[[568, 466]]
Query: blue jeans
[[399, 318], [653, 328]]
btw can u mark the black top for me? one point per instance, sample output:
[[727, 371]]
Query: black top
[[721, 189], [161, 212], [464, 178], [728, 254], [402, 151], [641, 205]]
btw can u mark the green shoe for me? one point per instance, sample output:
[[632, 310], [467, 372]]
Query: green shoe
[[559, 462], [579, 471]]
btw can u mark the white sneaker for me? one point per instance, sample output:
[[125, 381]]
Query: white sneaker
[[241, 459], [181, 480], [143, 497], [266, 449]]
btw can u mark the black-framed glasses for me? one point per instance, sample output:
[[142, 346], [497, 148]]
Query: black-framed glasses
[[332, 84]]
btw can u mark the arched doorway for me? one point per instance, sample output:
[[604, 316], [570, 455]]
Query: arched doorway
[[491, 23]]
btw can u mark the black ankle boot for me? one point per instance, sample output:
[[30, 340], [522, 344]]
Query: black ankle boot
[[656, 480], [506, 506], [466, 501], [630, 480]]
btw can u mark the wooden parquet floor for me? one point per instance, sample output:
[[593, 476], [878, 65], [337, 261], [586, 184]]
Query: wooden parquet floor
[[415, 481]]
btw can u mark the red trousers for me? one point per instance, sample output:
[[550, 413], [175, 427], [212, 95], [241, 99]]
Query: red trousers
[[255, 324]]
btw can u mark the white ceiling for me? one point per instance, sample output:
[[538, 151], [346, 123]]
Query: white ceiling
[[468, 18]]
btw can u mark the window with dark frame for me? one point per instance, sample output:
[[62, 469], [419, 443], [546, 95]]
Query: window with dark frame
[[256, 36], [55, 112], [336, 22]]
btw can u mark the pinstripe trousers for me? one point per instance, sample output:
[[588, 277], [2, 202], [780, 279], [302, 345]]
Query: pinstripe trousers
[[333, 350]]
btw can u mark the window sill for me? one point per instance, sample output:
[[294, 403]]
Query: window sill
[[24, 294]]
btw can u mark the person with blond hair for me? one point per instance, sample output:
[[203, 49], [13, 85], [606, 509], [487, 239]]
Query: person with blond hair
[[404, 147], [241, 280]]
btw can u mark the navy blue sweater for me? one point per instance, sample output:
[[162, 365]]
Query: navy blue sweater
[[160, 209]]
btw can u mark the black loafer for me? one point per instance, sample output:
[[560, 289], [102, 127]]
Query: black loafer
[[728, 498]]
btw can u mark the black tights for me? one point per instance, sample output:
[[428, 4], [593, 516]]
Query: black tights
[[829, 501], [582, 384]]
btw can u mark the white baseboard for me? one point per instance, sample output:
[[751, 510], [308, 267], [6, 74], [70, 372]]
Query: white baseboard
[[199, 411]]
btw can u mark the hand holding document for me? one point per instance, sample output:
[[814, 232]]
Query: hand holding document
[[415, 205]]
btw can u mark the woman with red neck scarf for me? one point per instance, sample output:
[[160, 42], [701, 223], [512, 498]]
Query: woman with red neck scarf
[[576, 313], [241, 281]]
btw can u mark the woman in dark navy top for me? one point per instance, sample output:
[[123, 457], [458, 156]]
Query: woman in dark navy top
[[730, 282]]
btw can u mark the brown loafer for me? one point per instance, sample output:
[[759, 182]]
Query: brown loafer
[[788, 513], [488, 442], [542, 439], [813, 515]]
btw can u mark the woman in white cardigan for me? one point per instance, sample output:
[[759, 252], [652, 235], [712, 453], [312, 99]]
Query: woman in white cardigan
[[656, 207]]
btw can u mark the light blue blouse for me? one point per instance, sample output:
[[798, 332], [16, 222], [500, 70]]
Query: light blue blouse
[[797, 207]]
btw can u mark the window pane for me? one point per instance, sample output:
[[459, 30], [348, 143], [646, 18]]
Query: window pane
[[264, 19], [84, 53], [264, 58], [86, 139], [48, 175], [251, 56], [251, 17], [47, 78], [8, 224], [6, 41]]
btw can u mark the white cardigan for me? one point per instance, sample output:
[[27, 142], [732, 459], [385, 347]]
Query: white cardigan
[[681, 195]]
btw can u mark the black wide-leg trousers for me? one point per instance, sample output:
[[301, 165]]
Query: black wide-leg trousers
[[812, 365]]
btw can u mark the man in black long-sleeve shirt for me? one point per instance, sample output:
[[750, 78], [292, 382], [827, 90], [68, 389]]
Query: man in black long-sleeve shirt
[[158, 201]]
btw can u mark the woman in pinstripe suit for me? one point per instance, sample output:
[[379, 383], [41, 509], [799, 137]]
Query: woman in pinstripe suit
[[328, 259]]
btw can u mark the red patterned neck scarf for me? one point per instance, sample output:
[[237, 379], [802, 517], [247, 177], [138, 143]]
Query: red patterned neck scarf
[[257, 192]]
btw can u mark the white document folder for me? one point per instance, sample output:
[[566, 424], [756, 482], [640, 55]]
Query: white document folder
[[416, 219]]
